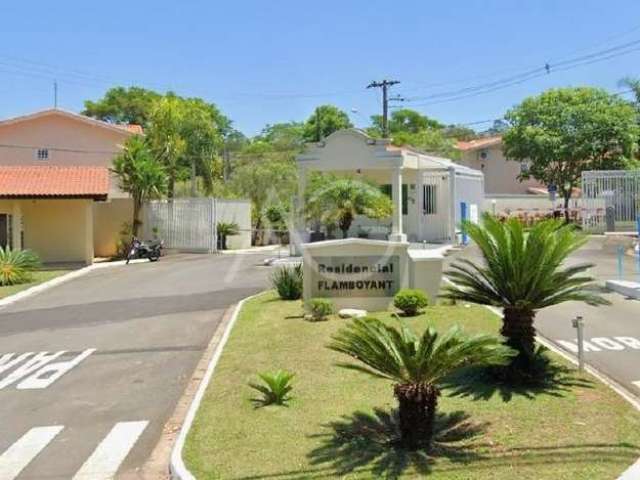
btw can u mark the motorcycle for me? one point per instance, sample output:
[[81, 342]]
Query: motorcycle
[[151, 249]]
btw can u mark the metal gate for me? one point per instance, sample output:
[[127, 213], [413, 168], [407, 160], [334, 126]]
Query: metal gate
[[611, 200], [433, 202], [187, 224]]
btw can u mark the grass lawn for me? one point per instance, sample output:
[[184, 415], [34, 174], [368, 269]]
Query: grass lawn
[[340, 421], [38, 277]]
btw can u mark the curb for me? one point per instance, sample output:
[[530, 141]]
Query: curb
[[633, 472], [41, 287], [177, 468]]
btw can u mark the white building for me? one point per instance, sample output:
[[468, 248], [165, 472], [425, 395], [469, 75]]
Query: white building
[[430, 194]]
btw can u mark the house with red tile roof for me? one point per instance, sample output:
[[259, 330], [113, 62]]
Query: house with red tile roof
[[57, 194], [500, 175]]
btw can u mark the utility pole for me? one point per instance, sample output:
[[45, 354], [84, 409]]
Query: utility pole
[[55, 94], [384, 85], [318, 127]]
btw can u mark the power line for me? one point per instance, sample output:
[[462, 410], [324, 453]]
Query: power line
[[384, 85], [454, 95]]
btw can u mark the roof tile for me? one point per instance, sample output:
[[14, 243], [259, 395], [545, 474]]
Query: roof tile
[[54, 181]]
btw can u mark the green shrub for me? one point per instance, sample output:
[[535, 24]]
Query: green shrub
[[224, 230], [410, 301], [320, 308], [287, 280], [275, 388], [17, 266]]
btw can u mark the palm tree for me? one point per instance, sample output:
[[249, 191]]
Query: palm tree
[[140, 175], [522, 272], [415, 365], [343, 199], [632, 84]]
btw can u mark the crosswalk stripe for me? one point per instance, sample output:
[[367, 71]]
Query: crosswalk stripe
[[23, 451], [107, 457]]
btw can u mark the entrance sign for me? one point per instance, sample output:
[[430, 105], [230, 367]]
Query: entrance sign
[[365, 276]]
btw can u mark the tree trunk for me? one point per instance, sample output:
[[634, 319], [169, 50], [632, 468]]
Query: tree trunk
[[517, 328], [171, 187], [136, 217], [345, 223], [417, 413], [567, 197]]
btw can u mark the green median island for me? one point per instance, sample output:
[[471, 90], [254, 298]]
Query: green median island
[[338, 422]]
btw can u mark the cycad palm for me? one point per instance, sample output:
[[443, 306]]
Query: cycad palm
[[416, 365], [522, 272]]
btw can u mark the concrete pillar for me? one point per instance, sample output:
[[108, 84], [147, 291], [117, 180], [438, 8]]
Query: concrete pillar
[[397, 232], [16, 226], [453, 206], [88, 228]]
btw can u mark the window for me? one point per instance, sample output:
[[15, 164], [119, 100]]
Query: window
[[429, 199], [42, 154], [386, 189]]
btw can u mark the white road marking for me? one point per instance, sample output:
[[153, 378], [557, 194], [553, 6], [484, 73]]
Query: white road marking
[[36, 370], [598, 344], [7, 361], [30, 366], [114, 448], [636, 383], [22, 452], [52, 372]]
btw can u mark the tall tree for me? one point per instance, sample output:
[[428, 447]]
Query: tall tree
[[266, 183], [634, 85], [410, 128], [330, 119], [166, 138], [563, 132], [123, 105], [140, 175], [404, 120]]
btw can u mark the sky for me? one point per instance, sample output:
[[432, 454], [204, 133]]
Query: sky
[[264, 62]]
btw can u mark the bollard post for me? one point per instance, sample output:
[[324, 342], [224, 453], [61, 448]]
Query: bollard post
[[620, 262], [578, 324]]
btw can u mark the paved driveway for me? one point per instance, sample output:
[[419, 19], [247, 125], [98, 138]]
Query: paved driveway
[[612, 333], [131, 337]]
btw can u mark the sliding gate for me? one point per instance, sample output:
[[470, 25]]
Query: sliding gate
[[611, 200]]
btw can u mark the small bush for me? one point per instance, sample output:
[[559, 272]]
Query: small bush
[[320, 308], [275, 388], [17, 266], [410, 301], [287, 280]]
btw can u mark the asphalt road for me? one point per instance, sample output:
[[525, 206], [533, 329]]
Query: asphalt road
[[612, 333], [86, 412]]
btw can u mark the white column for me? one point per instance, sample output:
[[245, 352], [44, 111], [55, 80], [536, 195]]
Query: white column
[[453, 205], [16, 226], [297, 234], [397, 233]]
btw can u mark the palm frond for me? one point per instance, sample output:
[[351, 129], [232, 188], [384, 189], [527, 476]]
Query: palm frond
[[399, 355]]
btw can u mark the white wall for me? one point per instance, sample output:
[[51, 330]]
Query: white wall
[[512, 203], [236, 211]]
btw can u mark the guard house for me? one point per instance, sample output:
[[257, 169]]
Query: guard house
[[430, 195]]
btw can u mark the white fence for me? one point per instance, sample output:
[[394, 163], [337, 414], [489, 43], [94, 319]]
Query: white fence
[[611, 200], [189, 224]]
